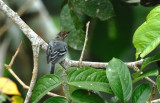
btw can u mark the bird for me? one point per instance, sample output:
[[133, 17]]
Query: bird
[[57, 49]]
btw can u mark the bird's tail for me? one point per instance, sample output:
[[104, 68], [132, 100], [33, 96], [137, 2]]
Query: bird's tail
[[52, 68]]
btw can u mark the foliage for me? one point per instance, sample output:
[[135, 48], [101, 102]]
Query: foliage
[[147, 37], [158, 83], [116, 79], [119, 79], [8, 87], [141, 94], [44, 85], [56, 100]]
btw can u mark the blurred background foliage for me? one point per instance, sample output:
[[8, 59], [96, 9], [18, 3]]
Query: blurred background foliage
[[108, 38]]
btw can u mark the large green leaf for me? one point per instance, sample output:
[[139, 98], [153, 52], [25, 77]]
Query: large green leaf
[[56, 100], [70, 22], [44, 85], [150, 72], [89, 78], [158, 83], [147, 36], [146, 62], [119, 79], [83, 96], [141, 94], [95, 8]]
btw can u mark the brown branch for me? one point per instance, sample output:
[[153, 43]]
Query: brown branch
[[35, 49], [85, 42], [8, 67], [20, 12], [36, 40], [100, 65], [15, 55], [16, 77], [152, 93], [150, 80]]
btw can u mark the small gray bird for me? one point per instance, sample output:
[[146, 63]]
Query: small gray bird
[[57, 50]]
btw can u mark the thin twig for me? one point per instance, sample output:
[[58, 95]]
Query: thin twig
[[20, 12], [23, 84], [85, 42], [152, 93], [36, 40], [8, 67], [150, 80], [16, 77], [35, 49], [15, 55]]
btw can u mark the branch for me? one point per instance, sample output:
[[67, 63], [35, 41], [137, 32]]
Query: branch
[[31, 35], [84, 46], [152, 93], [101, 65], [150, 80], [36, 40], [20, 12], [35, 49], [8, 67], [156, 101]]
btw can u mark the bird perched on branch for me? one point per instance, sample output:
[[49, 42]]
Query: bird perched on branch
[[57, 50]]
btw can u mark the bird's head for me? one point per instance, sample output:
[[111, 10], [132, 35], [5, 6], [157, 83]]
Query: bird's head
[[62, 35]]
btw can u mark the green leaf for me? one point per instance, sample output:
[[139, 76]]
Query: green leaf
[[119, 79], [153, 12], [59, 70], [150, 72], [101, 9], [89, 78], [146, 62], [70, 22], [83, 96], [71, 69], [44, 85], [147, 36], [158, 83], [56, 100], [141, 94], [17, 99], [150, 60]]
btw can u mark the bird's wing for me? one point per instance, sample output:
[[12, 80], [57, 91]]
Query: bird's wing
[[55, 52]]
